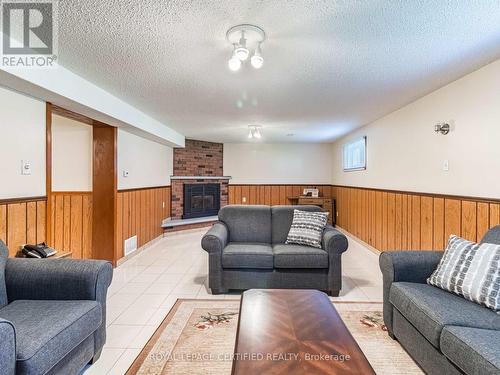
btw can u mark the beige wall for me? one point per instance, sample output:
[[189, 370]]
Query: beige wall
[[149, 163], [404, 152], [283, 163], [22, 137], [71, 155]]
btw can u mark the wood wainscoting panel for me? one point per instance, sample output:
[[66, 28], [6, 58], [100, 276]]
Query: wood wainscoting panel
[[17, 223], [140, 212], [494, 214], [393, 220], [271, 194], [22, 221], [72, 223]]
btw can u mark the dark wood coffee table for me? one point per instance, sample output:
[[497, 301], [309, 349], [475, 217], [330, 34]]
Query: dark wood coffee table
[[291, 332]]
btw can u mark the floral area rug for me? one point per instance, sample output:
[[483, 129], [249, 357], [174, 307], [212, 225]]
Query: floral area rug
[[198, 337]]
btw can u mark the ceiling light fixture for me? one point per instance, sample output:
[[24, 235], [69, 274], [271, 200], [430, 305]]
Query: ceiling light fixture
[[243, 38], [257, 60], [234, 62], [242, 51], [254, 132]]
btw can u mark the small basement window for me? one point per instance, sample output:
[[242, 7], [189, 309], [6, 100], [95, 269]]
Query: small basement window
[[354, 158]]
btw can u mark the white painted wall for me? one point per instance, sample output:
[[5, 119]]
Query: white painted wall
[[404, 152], [71, 155], [149, 163], [280, 163], [68, 90], [22, 137]]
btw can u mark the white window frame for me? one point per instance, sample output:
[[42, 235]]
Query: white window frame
[[360, 166]]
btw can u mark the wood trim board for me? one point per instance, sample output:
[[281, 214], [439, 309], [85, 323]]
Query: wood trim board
[[143, 188]]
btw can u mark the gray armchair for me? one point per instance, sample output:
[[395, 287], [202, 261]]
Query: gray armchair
[[247, 250], [53, 316]]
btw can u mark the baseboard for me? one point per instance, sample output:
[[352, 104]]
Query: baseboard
[[361, 242], [179, 228], [139, 250]]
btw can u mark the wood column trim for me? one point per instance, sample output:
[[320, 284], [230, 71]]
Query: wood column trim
[[104, 193], [48, 172]]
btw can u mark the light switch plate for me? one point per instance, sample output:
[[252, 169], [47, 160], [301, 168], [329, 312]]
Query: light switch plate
[[25, 167], [446, 165], [125, 173]]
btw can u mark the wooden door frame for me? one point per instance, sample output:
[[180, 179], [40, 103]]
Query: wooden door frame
[[98, 200]]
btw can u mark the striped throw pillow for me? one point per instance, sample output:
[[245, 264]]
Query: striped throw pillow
[[307, 228], [470, 270]]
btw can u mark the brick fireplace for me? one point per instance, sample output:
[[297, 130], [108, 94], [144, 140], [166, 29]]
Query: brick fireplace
[[199, 162]]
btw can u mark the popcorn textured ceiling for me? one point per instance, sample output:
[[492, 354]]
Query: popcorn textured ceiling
[[330, 66]]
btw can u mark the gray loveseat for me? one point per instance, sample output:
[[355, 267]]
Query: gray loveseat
[[52, 314], [247, 250], [443, 332]]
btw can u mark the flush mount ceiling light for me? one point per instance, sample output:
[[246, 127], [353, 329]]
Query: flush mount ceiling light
[[254, 132], [244, 38]]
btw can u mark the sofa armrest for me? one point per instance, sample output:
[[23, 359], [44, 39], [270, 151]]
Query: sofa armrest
[[408, 266], [334, 242], [7, 347], [57, 279], [215, 239], [61, 279]]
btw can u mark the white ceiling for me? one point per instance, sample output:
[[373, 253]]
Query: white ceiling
[[330, 66]]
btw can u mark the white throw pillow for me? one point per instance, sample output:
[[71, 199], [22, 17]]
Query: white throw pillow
[[307, 228], [471, 270]]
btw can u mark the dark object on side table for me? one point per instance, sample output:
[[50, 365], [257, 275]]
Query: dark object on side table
[[247, 250], [52, 314], [443, 332], [39, 251]]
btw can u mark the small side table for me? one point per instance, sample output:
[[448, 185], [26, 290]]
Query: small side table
[[327, 204], [59, 255]]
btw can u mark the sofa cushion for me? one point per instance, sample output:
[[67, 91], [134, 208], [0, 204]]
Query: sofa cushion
[[299, 256], [473, 350], [470, 270], [307, 228], [4, 253], [282, 217], [247, 255], [46, 331], [429, 309], [247, 223]]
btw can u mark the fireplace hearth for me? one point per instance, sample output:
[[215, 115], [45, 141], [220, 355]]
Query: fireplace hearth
[[201, 200]]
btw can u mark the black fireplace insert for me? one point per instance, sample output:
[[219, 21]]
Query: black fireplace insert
[[201, 200]]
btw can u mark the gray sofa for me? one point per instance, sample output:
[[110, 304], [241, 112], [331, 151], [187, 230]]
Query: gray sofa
[[443, 332], [52, 314], [247, 250]]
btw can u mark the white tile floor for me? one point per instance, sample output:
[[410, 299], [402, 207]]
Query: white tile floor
[[146, 287]]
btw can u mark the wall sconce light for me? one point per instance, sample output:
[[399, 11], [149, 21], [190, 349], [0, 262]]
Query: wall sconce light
[[443, 128]]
